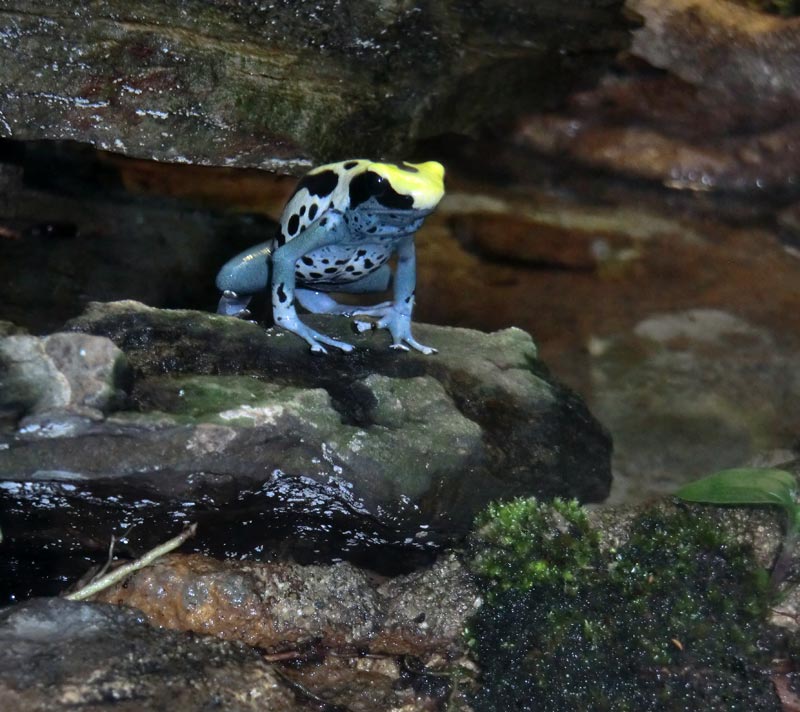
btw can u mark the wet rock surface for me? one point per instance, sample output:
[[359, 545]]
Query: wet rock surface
[[275, 85], [331, 634], [342, 455], [56, 654], [59, 654]]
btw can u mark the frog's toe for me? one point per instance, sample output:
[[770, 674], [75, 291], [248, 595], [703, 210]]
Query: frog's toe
[[318, 339], [399, 328], [344, 346], [363, 325], [406, 340], [401, 336], [314, 339], [232, 304], [427, 350]]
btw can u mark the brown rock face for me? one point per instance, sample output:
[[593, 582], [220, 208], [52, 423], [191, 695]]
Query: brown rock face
[[720, 115], [280, 85], [371, 455], [283, 606], [724, 46]]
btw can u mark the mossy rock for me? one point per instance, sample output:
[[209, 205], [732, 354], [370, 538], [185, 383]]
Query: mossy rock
[[674, 618], [376, 454]]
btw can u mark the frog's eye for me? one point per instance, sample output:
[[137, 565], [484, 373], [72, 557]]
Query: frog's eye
[[365, 186]]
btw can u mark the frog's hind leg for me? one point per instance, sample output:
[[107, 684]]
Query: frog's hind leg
[[233, 304], [242, 277], [318, 302]]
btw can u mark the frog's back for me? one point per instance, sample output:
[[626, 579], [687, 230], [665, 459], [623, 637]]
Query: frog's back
[[324, 187]]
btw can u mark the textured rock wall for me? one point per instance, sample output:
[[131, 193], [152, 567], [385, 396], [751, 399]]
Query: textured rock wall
[[276, 85]]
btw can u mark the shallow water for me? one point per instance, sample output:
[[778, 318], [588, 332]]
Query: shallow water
[[55, 531]]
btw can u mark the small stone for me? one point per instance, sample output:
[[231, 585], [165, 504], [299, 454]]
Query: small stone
[[62, 373], [94, 368]]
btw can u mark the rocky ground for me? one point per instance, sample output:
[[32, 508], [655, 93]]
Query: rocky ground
[[642, 234], [194, 416], [247, 634]]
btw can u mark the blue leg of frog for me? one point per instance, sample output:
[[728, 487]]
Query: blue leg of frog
[[329, 229], [396, 315], [248, 273], [243, 276]]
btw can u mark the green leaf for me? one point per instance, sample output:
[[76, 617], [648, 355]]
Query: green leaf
[[743, 485]]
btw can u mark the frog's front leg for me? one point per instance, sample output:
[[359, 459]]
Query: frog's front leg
[[329, 228], [396, 317]]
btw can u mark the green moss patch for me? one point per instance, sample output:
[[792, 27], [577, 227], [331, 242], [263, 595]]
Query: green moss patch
[[241, 400], [672, 620]]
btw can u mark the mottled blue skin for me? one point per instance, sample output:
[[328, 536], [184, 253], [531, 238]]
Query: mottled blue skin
[[353, 245]]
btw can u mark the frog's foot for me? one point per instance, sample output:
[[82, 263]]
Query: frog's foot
[[321, 303], [231, 304], [375, 310], [313, 338], [399, 326]]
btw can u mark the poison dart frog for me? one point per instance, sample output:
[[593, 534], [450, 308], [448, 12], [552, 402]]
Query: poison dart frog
[[337, 232]]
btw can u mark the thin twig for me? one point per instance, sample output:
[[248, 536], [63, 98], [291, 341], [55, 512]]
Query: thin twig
[[109, 560], [126, 569], [280, 657]]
